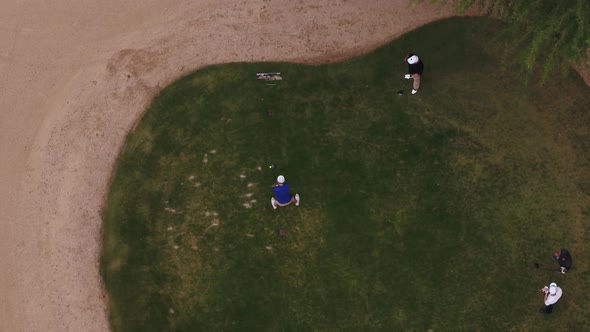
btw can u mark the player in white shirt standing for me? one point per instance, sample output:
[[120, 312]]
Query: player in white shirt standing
[[552, 295]]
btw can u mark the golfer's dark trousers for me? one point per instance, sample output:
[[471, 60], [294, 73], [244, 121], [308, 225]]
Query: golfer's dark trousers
[[549, 308]]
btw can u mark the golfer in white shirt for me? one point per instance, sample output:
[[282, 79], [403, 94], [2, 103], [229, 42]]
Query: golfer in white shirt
[[552, 295]]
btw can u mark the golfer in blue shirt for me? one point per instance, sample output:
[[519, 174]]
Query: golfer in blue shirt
[[283, 194]]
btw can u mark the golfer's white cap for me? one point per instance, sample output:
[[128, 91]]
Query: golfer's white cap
[[413, 59], [281, 179], [553, 288]]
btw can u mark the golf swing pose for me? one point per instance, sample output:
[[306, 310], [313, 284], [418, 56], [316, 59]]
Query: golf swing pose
[[565, 260], [282, 192], [415, 69]]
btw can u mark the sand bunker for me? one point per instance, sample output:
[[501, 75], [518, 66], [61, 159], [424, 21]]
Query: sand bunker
[[77, 76]]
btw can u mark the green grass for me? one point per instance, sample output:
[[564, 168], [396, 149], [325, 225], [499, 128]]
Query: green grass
[[418, 212]]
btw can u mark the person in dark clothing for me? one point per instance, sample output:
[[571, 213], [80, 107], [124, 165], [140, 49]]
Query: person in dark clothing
[[564, 259], [415, 69]]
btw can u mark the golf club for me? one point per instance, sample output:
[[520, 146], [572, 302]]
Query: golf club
[[537, 266], [404, 83], [273, 167]]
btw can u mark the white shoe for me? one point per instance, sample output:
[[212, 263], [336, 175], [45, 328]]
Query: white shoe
[[297, 199], [414, 91], [272, 202]]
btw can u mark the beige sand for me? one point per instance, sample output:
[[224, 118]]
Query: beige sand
[[75, 78], [77, 75]]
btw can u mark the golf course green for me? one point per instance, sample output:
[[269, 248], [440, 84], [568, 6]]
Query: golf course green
[[418, 212]]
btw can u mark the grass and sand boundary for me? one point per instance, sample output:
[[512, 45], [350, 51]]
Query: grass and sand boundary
[[77, 77], [450, 195]]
